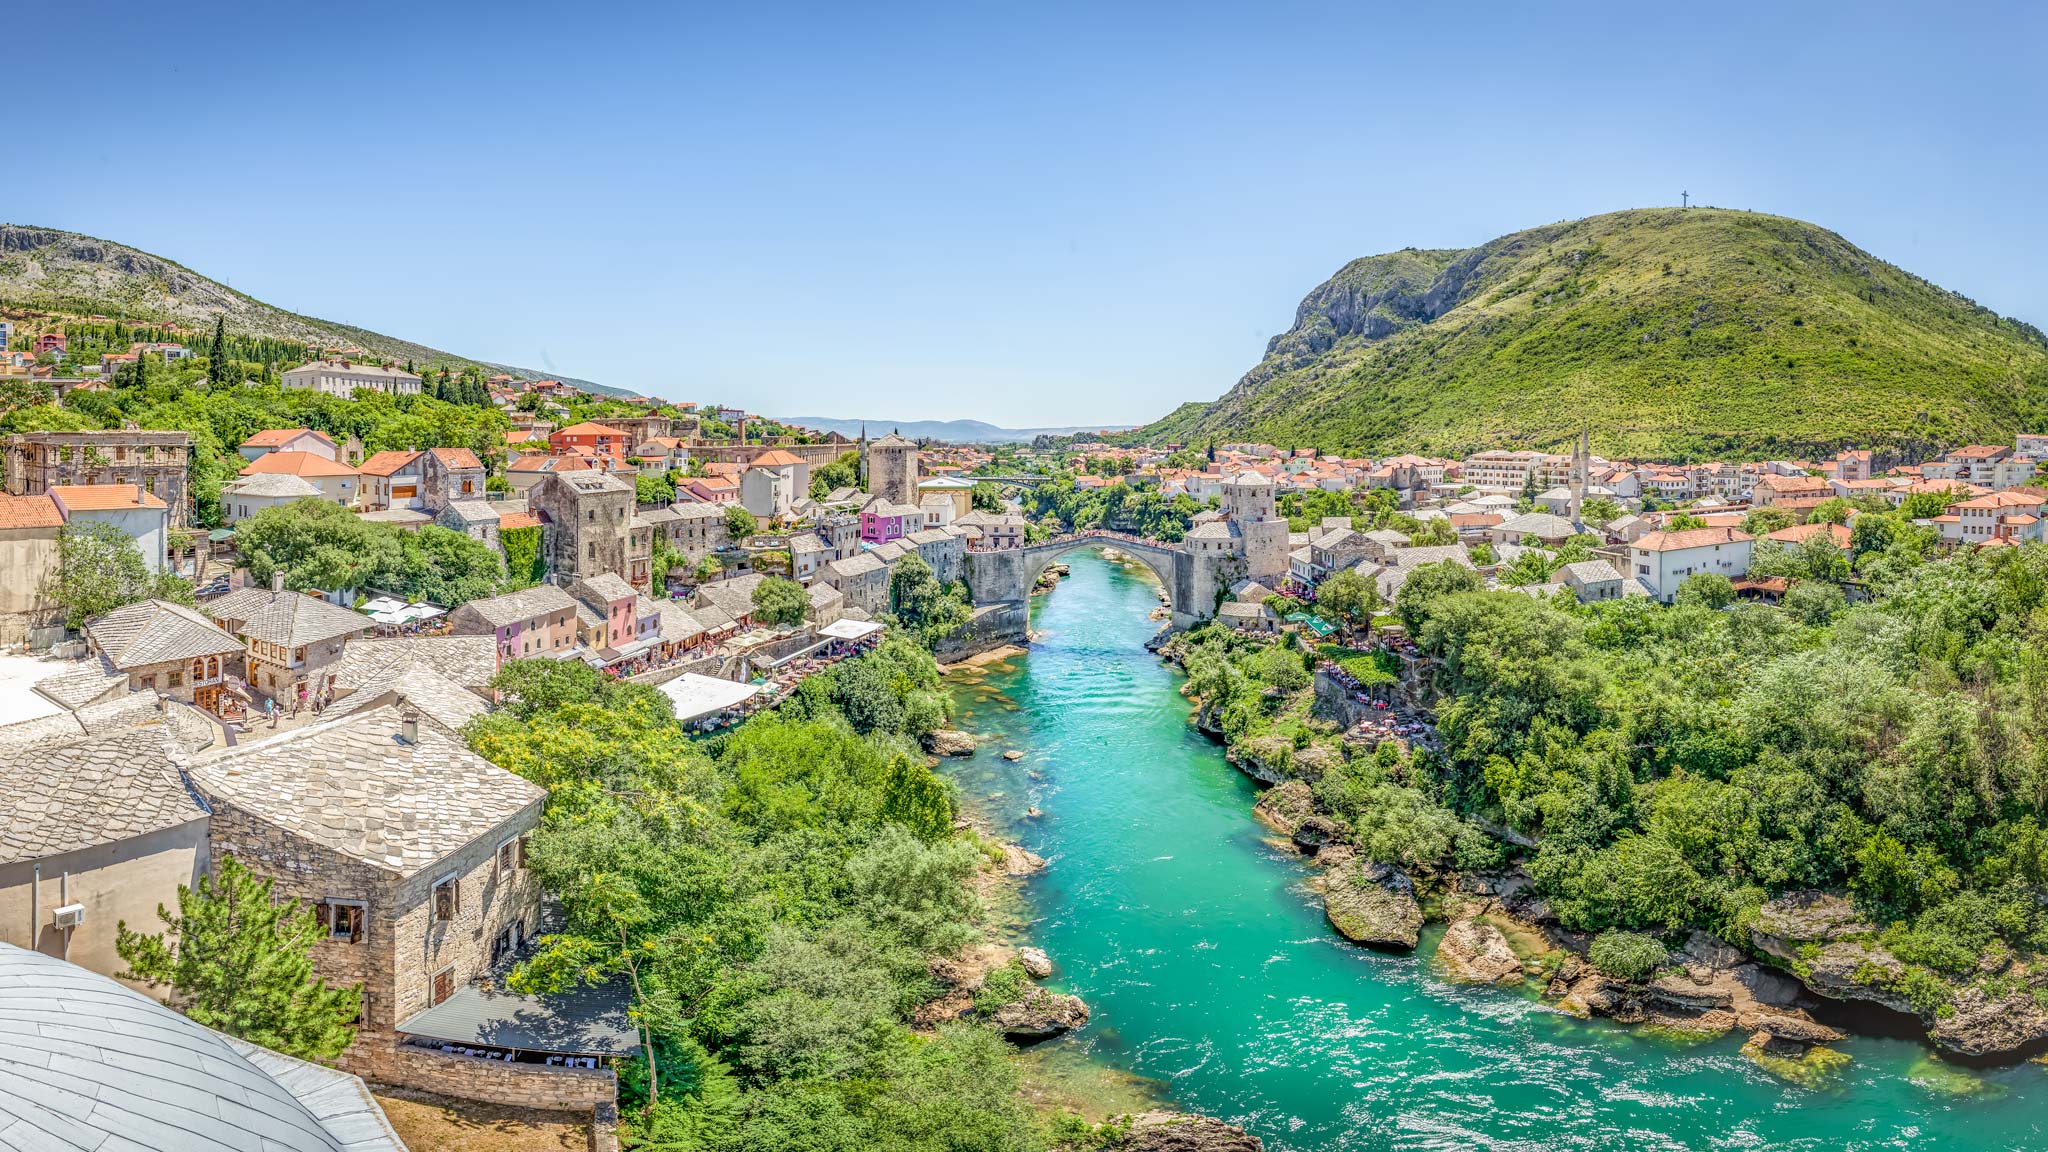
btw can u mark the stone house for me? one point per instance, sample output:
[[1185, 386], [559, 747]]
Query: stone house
[[944, 550], [167, 648], [862, 579], [808, 553], [698, 530], [1336, 549], [734, 597], [291, 640], [585, 521], [1591, 580], [157, 461], [409, 847], [476, 519], [536, 621], [448, 475]]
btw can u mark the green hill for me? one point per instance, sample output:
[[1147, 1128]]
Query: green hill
[[47, 272], [1673, 333]]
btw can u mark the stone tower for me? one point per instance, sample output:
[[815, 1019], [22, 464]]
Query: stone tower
[[892, 469], [1250, 501], [1582, 467]]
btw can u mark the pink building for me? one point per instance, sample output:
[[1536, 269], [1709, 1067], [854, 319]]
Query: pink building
[[537, 621], [609, 599], [881, 523]]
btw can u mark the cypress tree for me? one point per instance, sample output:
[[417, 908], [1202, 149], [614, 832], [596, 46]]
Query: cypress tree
[[217, 356]]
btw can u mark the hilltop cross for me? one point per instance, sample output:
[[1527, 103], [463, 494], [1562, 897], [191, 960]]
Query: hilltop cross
[[1685, 199]]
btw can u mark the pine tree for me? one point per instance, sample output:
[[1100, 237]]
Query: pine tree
[[217, 355], [242, 963]]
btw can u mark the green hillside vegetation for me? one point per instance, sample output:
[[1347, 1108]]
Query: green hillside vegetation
[[1674, 334], [59, 278]]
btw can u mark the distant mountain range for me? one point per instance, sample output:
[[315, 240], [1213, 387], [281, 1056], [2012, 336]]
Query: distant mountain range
[[951, 431], [1672, 334], [61, 273]]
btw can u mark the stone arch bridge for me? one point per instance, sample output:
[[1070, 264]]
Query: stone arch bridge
[[1002, 575]]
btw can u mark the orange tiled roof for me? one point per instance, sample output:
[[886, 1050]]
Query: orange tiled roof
[[1690, 538], [511, 520], [587, 428], [1798, 534], [29, 512], [457, 458], [386, 462], [276, 437], [298, 464], [103, 497]]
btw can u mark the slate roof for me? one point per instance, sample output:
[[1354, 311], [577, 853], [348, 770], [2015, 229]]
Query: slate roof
[[87, 1065], [807, 542], [588, 1020], [1213, 530], [606, 586], [1589, 572], [271, 484], [858, 564], [447, 702], [470, 661], [472, 511], [287, 618], [525, 604], [87, 681], [734, 596], [678, 623], [353, 785], [60, 796], [1540, 524], [156, 631]]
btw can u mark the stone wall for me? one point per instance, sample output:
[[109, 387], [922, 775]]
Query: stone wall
[[991, 626], [488, 1081]]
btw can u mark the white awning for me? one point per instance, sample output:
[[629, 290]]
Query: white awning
[[849, 629], [697, 695]]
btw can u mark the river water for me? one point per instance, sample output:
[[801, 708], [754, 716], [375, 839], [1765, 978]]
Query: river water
[[1211, 972]]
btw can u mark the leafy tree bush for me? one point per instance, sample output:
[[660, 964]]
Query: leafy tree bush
[[1628, 956], [780, 601], [740, 523], [1706, 590], [99, 568]]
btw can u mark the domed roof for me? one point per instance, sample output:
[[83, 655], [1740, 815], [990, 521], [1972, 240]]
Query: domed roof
[[88, 1064]]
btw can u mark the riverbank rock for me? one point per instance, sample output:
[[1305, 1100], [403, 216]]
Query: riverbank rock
[[1284, 806], [1180, 1132], [949, 742], [1822, 937], [1475, 952], [1037, 964], [1040, 1014], [1316, 833], [1019, 861], [1980, 1025], [1013, 755], [1372, 904]]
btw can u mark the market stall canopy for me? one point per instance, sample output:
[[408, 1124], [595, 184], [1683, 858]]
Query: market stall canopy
[[392, 610], [696, 695], [849, 629]]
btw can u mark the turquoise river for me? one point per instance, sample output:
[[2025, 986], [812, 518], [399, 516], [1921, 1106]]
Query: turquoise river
[[1212, 975]]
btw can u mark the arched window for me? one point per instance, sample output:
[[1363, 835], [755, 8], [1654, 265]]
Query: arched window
[[199, 668]]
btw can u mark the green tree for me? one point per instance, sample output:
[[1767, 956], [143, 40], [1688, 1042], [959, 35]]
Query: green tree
[[1599, 511], [1351, 598], [740, 523], [99, 568], [1629, 956], [217, 353], [780, 601], [1684, 522], [928, 609], [1427, 584], [653, 488], [1764, 521], [1707, 589], [242, 963]]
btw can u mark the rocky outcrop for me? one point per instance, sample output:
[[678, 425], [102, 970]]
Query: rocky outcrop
[[1019, 861], [1316, 833], [1475, 952], [1180, 1132], [1979, 1025], [1037, 964], [1284, 806], [1373, 904], [1821, 937], [1040, 1014], [949, 742]]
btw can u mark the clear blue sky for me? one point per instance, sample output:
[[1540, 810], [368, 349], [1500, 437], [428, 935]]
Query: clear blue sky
[[1032, 213]]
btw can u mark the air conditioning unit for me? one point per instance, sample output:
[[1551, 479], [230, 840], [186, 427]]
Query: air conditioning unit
[[70, 915]]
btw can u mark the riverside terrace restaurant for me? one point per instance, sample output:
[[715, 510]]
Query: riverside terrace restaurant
[[585, 1026]]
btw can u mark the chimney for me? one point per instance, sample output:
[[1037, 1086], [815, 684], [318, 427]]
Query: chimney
[[409, 724], [276, 580]]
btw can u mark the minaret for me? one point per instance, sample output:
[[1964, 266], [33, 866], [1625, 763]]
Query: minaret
[[860, 467], [1582, 466]]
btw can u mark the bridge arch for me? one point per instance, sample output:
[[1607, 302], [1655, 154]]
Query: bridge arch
[[1006, 574]]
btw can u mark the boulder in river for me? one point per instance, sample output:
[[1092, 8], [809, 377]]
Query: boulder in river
[[1040, 1014], [1013, 754], [1180, 1132], [949, 742], [1476, 952], [1037, 964], [1373, 904]]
